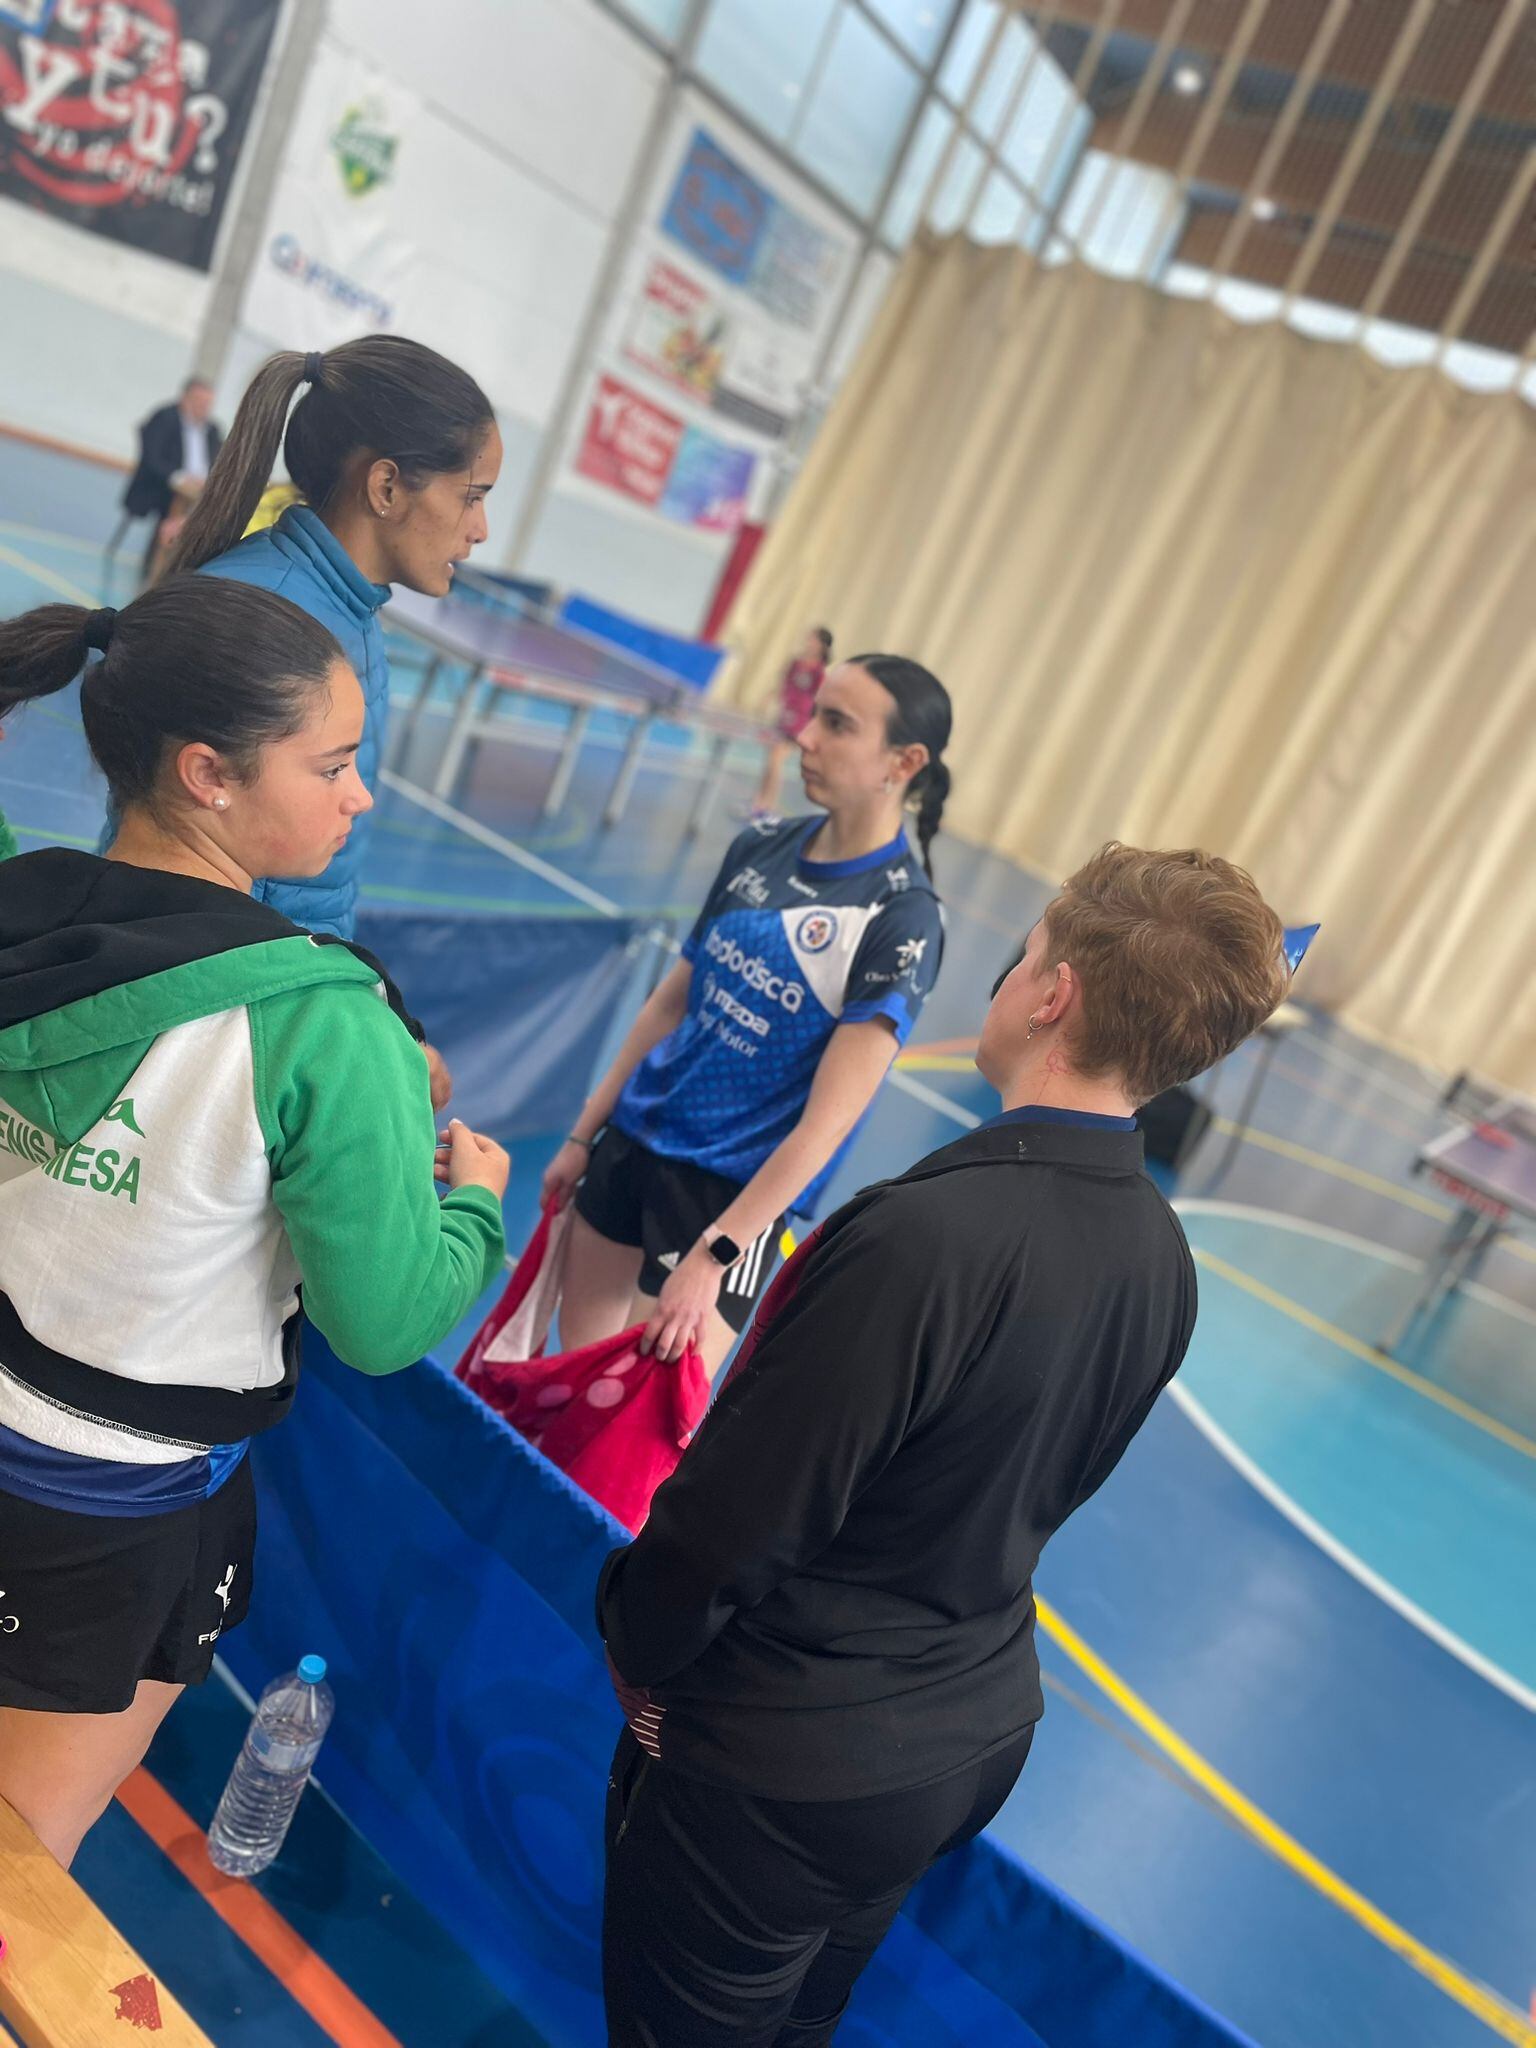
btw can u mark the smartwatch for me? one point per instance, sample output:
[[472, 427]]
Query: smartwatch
[[725, 1251]]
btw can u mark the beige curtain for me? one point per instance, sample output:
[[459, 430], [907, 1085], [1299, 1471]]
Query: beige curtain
[[1192, 581]]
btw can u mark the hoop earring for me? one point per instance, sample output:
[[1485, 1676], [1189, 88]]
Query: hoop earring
[[1034, 1026]]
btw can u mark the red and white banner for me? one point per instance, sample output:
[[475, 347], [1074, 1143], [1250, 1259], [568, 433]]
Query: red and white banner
[[629, 444]]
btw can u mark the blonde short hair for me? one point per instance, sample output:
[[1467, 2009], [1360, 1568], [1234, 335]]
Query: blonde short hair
[[1179, 959]]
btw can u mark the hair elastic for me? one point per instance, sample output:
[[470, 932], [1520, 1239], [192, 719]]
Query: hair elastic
[[99, 628]]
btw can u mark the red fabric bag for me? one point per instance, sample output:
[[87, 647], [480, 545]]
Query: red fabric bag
[[614, 1419]]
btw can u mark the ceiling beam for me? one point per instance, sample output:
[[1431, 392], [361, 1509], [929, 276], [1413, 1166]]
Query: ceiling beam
[[1439, 73], [1468, 198]]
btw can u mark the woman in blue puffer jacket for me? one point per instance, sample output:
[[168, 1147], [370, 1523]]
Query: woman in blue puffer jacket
[[394, 449]]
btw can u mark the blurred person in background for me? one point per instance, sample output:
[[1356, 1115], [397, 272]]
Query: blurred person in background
[[797, 706], [178, 446]]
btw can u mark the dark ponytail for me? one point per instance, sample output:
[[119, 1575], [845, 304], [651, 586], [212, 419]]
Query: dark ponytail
[[384, 395], [192, 659], [922, 717], [43, 651]]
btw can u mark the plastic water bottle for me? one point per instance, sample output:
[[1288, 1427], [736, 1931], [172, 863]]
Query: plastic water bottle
[[271, 1770]]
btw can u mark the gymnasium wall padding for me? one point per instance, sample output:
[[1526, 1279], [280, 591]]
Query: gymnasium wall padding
[[446, 1570]]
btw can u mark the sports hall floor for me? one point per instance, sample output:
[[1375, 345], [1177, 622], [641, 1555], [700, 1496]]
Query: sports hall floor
[[1290, 1648]]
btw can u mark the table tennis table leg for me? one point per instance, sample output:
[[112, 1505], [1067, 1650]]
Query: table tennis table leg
[[407, 738], [709, 787], [1466, 1238], [459, 735], [629, 768], [565, 767]]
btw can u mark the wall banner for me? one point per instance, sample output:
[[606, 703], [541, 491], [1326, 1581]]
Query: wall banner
[[629, 444], [341, 250], [128, 120]]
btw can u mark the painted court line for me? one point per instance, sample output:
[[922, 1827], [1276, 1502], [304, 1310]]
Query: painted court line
[[1329, 1233], [1373, 1076], [498, 843], [338, 2012], [1484, 2004], [932, 1099], [60, 585], [1447, 1639], [69, 541], [1366, 1353]]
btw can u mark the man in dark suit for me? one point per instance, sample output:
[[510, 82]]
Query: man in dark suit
[[177, 443]]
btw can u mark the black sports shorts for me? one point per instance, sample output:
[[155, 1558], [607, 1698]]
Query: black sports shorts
[[90, 1604], [632, 1196]]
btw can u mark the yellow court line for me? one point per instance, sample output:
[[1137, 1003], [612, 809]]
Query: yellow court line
[[69, 541], [1485, 2005], [1366, 1353], [51, 577], [956, 1063], [1357, 1175], [1305, 1156]]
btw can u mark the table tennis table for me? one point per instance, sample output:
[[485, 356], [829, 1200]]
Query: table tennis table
[[1487, 1165], [506, 649]]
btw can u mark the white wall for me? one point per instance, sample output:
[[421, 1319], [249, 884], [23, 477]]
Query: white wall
[[93, 335], [518, 125]]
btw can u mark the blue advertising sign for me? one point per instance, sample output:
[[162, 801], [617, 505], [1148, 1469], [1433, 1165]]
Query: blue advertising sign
[[717, 210]]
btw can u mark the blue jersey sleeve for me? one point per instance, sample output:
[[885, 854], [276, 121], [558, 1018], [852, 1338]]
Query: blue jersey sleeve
[[898, 963]]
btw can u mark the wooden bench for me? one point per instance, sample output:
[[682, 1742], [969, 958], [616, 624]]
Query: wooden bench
[[67, 1977]]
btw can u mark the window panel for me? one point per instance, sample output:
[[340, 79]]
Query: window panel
[[964, 53], [762, 56], [664, 16], [933, 131], [1008, 61], [920, 24], [1133, 225], [953, 199], [999, 212], [1047, 131], [857, 113]]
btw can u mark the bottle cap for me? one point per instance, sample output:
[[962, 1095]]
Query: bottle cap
[[311, 1669]]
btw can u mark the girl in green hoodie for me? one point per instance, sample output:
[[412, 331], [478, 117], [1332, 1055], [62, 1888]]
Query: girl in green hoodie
[[202, 1108]]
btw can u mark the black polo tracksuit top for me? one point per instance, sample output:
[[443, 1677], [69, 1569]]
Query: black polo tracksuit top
[[832, 1596]]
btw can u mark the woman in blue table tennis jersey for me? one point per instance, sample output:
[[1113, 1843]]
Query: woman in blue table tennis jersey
[[394, 449], [745, 1075]]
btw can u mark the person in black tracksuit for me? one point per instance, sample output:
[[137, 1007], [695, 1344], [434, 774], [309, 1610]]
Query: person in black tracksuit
[[823, 1638]]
